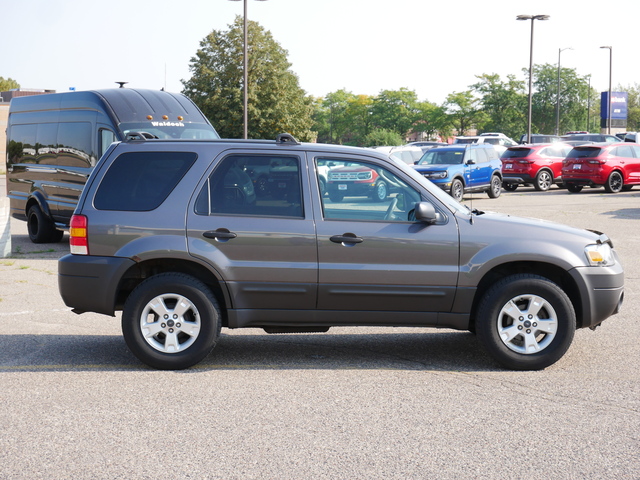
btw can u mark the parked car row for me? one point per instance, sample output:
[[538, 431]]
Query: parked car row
[[614, 166]]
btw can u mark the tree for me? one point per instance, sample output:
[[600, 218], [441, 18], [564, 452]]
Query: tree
[[432, 120], [395, 110], [383, 137], [332, 119], [574, 93], [464, 111], [276, 103], [8, 84], [504, 104]]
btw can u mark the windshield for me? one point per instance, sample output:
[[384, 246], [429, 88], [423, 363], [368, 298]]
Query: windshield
[[434, 190], [172, 130], [442, 157]]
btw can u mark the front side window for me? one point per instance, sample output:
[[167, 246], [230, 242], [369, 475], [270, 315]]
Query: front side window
[[364, 191], [256, 185]]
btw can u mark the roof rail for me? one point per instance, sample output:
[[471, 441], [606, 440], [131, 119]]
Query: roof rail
[[131, 136], [286, 138]]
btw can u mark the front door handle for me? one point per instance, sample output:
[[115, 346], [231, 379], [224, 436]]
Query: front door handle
[[346, 239], [220, 235]]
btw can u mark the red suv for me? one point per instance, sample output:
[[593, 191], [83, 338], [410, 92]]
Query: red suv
[[539, 165], [616, 166]]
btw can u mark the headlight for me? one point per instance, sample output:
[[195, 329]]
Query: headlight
[[600, 255]]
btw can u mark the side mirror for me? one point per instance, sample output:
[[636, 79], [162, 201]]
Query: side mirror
[[425, 212]]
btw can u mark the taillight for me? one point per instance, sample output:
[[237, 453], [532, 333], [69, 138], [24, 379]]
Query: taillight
[[78, 239]]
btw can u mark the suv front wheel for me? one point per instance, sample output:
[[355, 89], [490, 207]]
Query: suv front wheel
[[171, 321], [525, 322]]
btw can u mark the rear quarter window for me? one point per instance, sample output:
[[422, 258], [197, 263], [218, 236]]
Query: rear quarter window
[[141, 181]]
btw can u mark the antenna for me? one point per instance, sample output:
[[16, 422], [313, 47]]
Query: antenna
[[122, 84]]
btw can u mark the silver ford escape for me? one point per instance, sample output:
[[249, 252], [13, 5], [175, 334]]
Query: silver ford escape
[[187, 237]]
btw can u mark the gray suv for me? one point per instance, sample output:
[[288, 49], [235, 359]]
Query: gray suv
[[174, 234]]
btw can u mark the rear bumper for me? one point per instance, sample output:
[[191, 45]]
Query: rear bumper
[[90, 284]]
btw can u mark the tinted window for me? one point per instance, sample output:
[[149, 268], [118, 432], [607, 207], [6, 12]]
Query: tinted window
[[74, 144], [586, 152], [141, 181], [624, 151], [253, 185], [516, 153], [22, 144]]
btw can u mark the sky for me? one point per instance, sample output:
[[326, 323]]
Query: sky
[[362, 46]]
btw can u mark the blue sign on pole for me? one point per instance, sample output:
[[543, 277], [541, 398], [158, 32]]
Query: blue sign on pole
[[619, 102]]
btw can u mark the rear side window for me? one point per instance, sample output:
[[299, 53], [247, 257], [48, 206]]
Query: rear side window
[[254, 185], [141, 181]]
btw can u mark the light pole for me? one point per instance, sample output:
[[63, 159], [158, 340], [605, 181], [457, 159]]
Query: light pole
[[609, 98], [560, 50], [245, 71], [532, 18]]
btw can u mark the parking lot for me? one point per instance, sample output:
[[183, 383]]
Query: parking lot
[[354, 403]]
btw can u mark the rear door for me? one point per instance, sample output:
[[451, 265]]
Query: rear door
[[262, 241]]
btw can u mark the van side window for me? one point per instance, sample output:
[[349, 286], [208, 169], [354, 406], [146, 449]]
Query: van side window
[[107, 137], [22, 146], [74, 145], [141, 181], [256, 185]]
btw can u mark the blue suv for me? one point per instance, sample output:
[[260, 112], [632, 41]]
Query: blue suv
[[458, 169]]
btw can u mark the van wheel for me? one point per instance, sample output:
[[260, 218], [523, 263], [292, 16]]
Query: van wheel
[[171, 321], [614, 183], [40, 227], [495, 188], [526, 322]]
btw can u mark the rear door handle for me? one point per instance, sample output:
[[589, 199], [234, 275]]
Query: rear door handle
[[346, 239], [220, 235]]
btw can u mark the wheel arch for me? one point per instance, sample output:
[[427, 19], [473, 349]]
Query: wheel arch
[[551, 272], [37, 198], [148, 268]]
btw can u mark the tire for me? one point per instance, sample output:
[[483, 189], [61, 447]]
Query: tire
[[336, 197], [380, 192], [457, 189], [510, 187], [192, 323], [544, 180], [525, 322], [573, 188], [41, 228], [495, 188], [615, 183], [626, 188]]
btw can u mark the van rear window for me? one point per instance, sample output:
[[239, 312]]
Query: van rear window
[[141, 181]]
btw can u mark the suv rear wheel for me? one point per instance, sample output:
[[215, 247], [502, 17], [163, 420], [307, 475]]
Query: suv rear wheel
[[614, 183], [171, 321], [544, 180], [495, 188], [526, 322]]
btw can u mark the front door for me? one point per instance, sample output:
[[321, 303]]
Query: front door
[[372, 255]]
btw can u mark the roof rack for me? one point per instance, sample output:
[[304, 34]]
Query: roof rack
[[286, 139]]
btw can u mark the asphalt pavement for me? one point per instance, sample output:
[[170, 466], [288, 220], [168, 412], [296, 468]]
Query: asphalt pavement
[[354, 403]]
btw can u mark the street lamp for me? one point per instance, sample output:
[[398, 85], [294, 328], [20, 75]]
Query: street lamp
[[560, 50], [245, 68], [609, 99], [532, 18]]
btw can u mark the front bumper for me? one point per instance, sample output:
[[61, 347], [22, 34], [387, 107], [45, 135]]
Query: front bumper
[[601, 291]]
